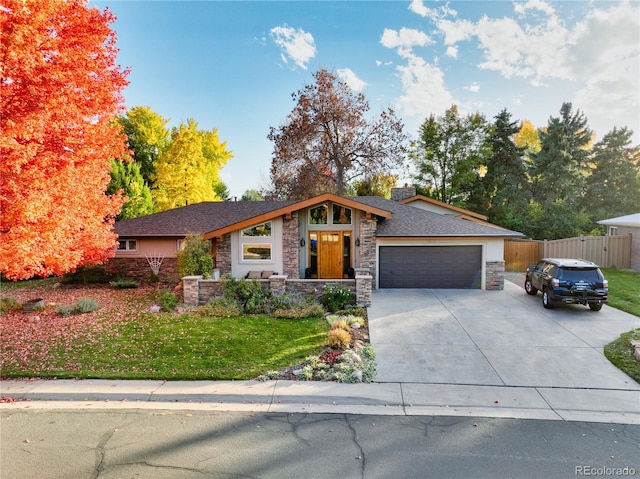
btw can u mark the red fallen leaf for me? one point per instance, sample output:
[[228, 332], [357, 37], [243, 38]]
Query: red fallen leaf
[[7, 399]]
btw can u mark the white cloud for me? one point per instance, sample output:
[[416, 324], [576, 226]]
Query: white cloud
[[296, 44], [456, 30], [452, 52], [351, 79], [521, 8], [418, 7], [474, 88], [606, 55], [404, 40], [423, 86], [424, 89]]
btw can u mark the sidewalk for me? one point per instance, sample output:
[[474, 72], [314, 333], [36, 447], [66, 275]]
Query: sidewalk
[[404, 399]]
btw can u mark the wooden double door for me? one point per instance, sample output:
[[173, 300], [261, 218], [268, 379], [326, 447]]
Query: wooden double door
[[330, 253]]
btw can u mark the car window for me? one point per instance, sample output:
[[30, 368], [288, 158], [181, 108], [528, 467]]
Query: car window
[[540, 266], [577, 274]]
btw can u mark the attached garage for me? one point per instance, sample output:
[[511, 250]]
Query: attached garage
[[441, 267]]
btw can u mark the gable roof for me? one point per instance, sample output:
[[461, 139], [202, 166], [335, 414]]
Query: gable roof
[[216, 218], [463, 213], [628, 220], [407, 221]]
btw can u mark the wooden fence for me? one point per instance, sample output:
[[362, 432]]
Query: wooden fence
[[605, 251]]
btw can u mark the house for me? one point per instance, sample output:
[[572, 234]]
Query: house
[[400, 243], [622, 225]]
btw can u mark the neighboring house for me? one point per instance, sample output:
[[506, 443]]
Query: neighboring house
[[623, 225], [401, 245]]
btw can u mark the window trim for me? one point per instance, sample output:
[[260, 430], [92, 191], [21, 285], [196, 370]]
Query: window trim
[[127, 247], [244, 246]]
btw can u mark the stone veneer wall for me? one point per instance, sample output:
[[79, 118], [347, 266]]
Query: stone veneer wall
[[198, 291], [367, 249], [495, 275], [290, 246], [139, 269], [223, 255]]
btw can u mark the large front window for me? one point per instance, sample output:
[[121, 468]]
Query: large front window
[[257, 243]]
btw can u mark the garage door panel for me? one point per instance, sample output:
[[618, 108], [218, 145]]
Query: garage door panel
[[448, 267]]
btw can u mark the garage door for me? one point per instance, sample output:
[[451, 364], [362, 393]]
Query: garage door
[[448, 267]]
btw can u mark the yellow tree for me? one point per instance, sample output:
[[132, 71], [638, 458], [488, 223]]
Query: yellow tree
[[527, 137], [187, 170]]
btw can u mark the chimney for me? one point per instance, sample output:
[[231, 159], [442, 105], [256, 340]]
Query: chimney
[[399, 194]]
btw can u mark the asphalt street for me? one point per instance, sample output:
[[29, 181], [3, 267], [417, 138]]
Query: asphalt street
[[181, 444]]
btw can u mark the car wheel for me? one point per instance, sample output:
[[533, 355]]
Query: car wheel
[[528, 287], [546, 300], [595, 306]]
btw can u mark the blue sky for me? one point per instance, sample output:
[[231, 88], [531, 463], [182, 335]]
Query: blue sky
[[233, 65]]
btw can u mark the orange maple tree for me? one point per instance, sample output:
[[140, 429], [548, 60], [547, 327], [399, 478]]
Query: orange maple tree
[[60, 90]]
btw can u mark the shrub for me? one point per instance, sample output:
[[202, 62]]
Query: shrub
[[124, 283], [294, 305], [64, 310], [221, 307], [249, 293], [195, 258], [9, 303], [356, 367], [167, 299], [339, 338], [85, 305], [336, 296], [342, 324]]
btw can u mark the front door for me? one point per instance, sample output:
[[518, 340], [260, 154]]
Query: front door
[[329, 256]]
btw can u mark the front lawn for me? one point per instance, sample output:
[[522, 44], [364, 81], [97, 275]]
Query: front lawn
[[624, 289], [624, 294], [124, 340]]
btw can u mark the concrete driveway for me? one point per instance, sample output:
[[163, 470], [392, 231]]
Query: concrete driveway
[[498, 338]]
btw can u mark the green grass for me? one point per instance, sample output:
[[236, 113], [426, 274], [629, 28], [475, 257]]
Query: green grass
[[620, 353], [624, 289], [187, 347], [624, 294]]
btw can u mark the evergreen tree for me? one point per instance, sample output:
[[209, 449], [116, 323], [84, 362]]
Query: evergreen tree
[[505, 188], [613, 185]]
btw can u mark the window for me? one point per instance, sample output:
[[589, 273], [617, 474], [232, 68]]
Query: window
[[613, 230], [341, 215], [318, 215], [256, 251], [180, 244], [256, 242], [263, 229], [127, 245]]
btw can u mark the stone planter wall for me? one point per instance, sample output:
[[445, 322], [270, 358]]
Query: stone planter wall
[[198, 291]]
